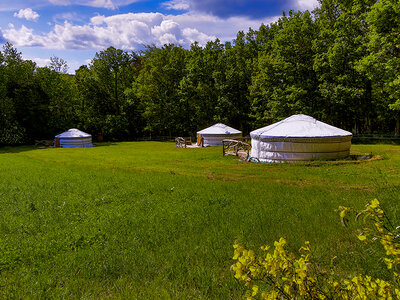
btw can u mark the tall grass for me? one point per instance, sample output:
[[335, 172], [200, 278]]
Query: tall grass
[[148, 220]]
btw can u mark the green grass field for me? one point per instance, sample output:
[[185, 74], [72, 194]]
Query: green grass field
[[147, 220]]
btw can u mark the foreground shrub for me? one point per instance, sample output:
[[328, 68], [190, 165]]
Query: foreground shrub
[[279, 274]]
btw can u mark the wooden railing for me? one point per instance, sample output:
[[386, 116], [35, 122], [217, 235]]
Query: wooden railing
[[245, 139], [236, 147]]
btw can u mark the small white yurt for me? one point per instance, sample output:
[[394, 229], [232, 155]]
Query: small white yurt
[[299, 138], [213, 136], [73, 138]]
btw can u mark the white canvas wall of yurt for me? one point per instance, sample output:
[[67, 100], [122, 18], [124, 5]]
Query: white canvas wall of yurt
[[213, 135], [300, 138], [73, 138]]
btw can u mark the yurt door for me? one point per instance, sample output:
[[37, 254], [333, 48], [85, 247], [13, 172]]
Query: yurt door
[[198, 139]]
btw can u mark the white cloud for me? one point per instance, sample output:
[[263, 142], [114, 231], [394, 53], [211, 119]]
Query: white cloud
[[93, 3], [305, 4], [45, 62], [193, 35], [101, 3], [110, 4], [70, 16], [224, 29], [133, 30], [22, 37], [168, 32], [60, 2], [40, 62], [28, 14], [13, 5], [177, 4]]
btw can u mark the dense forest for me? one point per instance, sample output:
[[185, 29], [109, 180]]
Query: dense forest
[[339, 64]]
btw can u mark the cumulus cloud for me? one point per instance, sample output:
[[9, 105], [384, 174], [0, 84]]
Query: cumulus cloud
[[22, 37], [132, 31], [27, 14], [224, 29], [126, 31]]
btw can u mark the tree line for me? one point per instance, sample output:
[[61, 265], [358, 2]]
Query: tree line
[[339, 63]]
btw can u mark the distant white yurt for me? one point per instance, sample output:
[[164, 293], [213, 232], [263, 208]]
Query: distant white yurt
[[73, 138], [297, 138], [213, 136]]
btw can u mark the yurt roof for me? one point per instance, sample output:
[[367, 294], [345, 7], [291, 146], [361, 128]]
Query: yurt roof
[[219, 128], [73, 133], [299, 126]]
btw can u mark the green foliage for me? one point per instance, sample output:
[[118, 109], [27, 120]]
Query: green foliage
[[106, 104], [11, 133], [341, 43], [383, 61], [284, 82], [58, 65], [339, 63], [157, 88], [60, 91], [280, 274]]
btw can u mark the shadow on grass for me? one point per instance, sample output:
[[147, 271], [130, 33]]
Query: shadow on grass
[[352, 159], [374, 140], [104, 144], [16, 149], [25, 148]]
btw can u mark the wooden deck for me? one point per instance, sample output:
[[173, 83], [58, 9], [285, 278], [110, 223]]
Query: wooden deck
[[185, 142]]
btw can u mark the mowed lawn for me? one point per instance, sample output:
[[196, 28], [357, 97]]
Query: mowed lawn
[[147, 220]]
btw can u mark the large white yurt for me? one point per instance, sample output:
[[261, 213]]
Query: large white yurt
[[298, 138], [213, 135], [73, 138]]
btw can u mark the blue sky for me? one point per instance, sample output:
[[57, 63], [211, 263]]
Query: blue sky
[[76, 29]]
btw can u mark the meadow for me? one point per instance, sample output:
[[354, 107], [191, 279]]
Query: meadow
[[147, 220]]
